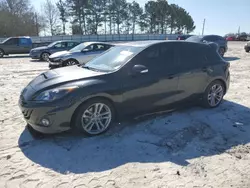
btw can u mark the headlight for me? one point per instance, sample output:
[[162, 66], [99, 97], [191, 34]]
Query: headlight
[[54, 94]]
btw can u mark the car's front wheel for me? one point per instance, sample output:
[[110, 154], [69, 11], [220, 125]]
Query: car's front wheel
[[222, 52], [95, 117], [45, 56], [1, 53], [214, 94], [71, 62]]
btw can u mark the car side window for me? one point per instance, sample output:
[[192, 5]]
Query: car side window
[[12, 41], [24, 41], [60, 45], [71, 44], [90, 47], [107, 47], [191, 56], [149, 57], [99, 47]]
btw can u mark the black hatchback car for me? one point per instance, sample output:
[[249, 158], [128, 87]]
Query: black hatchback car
[[132, 78]]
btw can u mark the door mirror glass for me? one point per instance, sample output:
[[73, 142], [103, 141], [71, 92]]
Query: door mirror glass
[[85, 50], [139, 69]]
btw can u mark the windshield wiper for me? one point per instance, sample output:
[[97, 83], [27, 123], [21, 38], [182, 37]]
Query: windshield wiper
[[91, 68]]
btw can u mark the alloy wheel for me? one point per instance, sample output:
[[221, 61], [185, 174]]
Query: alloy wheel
[[215, 95], [45, 56], [71, 62], [1, 53], [96, 118]]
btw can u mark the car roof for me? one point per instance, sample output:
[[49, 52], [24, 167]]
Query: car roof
[[146, 44], [89, 43]]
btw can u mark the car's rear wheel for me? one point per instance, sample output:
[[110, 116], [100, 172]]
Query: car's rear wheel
[[214, 94], [45, 56], [1, 53], [222, 52], [95, 117], [71, 62]]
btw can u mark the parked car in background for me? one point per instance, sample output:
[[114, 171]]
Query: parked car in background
[[44, 52], [132, 78], [231, 38], [220, 41], [80, 54], [242, 37], [183, 37], [247, 47], [15, 45]]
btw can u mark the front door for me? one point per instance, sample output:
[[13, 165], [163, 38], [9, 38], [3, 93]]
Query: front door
[[11, 46], [154, 88]]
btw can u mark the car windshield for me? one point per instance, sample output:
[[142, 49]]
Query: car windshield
[[194, 39], [5, 40], [52, 44], [113, 59], [78, 48]]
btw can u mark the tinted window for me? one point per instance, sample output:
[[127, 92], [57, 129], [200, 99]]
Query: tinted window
[[71, 44], [191, 56], [167, 56], [24, 41], [13, 41], [61, 45]]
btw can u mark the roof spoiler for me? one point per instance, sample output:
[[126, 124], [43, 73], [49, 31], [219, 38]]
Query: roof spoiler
[[213, 45]]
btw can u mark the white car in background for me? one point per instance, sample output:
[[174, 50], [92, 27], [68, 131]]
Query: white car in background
[[80, 54]]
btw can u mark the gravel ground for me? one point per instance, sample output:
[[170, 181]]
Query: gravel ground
[[194, 147]]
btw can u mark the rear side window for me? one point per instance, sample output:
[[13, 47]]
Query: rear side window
[[72, 44], [191, 56], [24, 41], [167, 57]]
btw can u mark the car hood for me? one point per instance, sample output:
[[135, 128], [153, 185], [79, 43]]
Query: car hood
[[60, 76], [59, 54], [41, 48]]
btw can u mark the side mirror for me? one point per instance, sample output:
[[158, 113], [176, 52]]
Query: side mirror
[[85, 50], [139, 69]]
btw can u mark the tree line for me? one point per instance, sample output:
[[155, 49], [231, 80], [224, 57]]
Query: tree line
[[87, 17]]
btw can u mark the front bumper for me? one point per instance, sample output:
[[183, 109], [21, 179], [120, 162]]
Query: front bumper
[[59, 117], [35, 55], [247, 48], [53, 65]]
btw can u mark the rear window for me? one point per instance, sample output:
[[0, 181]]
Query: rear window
[[194, 39]]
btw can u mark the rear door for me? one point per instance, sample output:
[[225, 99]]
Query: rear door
[[25, 45], [193, 72]]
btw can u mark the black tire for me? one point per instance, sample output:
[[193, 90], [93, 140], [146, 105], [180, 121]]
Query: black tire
[[247, 50], [222, 52], [1, 53], [79, 119], [70, 62], [205, 99], [45, 56]]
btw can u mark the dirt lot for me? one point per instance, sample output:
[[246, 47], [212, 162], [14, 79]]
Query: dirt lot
[[189, 148]]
